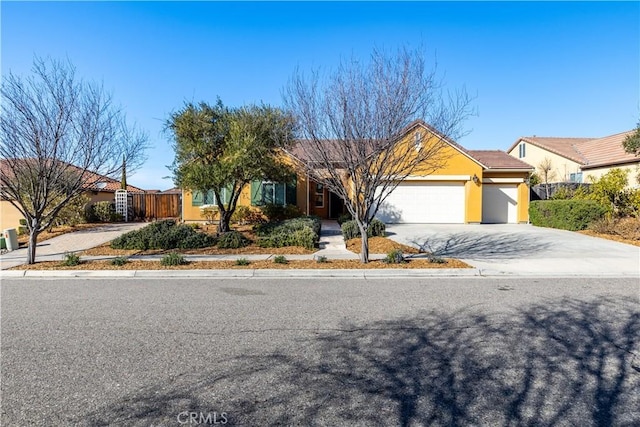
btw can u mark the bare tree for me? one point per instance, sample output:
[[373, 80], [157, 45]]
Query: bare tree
[[547, 173], [56, 133], [352, 121]]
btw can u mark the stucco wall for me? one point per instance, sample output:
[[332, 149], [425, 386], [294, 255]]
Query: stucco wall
[[596, 173], [561, 166], [10, 216]]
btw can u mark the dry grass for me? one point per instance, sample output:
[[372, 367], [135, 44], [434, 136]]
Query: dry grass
[[269, 264], [379, 245], [624, 230]]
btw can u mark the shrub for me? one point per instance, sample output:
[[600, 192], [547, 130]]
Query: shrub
[[210, 213], [232, 240], [173, 258], [242, 261], [75, 212], [163, 235], [241, 214], [104, 212], [120, 261], [394, 256], [275, 212], [280, 259], [350, 229], [322, 259], [434, 259], [303, 231], [70, 259], [23, 222], [344, 218], [611, 192], [565, 214]]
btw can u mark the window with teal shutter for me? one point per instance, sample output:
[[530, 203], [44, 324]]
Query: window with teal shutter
[[196, 198], [279, 194], [268, 196], [291, 193], [209, 198], [256, 193]]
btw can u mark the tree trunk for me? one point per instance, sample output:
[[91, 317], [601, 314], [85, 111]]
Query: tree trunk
[[364, 248], [31, 250], [223, 222]]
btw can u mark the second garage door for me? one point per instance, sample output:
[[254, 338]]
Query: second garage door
[[499, 203], [425, 202]]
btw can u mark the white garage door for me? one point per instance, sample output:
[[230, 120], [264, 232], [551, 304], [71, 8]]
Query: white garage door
[[425, 202], [499, 203]]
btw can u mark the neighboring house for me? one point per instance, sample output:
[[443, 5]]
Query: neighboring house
[[577, 159], [474, 186], [100, 188]]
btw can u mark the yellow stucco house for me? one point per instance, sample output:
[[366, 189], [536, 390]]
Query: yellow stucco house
[[578, 159], [472, 186]]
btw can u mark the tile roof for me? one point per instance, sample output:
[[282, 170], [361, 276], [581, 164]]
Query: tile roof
[[588, 152], [606, 151], [497, 159]]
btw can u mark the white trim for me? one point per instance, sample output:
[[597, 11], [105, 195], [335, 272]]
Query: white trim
[[438, 178], [502, 180]]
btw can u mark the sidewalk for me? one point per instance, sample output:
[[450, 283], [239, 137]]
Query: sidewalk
[[54, 249]]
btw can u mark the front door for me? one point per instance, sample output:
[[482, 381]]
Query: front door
[[336, 206]]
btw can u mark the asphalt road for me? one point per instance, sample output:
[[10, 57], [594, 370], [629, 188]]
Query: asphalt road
[[406, 352]]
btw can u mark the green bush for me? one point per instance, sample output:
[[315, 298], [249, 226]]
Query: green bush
[[344, 218], [173, 258], [275, 212], [394, 257], [23, 222], [232, 240], [104, 212], [322, 259], [281, 259], [350, 229], [303, 231], [70, 259], [565, 214], [434, 259], [242, 261], [120, 261], [163, 235]]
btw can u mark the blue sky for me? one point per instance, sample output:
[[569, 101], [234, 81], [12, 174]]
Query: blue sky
[[546, 69]]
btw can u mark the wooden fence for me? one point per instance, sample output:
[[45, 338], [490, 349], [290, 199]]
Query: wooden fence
[[155, 206]]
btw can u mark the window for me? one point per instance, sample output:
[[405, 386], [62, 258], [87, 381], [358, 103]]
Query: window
[[319, 199], [575, 177], [521, 150], [268, 192], [209, 198]]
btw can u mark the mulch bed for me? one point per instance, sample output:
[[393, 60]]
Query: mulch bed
[[613, 237], [269, 264]]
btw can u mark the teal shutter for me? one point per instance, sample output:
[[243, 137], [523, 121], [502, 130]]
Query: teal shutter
[[226, 194], [256, 193], [210, 198], [196, 198], [291, 193], [279, 196]]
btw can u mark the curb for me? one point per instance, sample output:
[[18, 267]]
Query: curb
[[248, 273]]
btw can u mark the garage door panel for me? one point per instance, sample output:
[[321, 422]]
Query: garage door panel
[[499, 204], [425, 202]]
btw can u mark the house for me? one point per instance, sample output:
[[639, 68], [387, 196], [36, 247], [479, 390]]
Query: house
[[577, 159], [99, 188], [473, 186]]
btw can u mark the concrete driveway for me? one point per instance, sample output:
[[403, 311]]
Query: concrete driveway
[[522, 249]]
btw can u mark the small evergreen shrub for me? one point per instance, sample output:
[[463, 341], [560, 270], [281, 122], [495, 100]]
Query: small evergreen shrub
[[434, 259], [242, 261], [104, 212], [303, 231], [70, 259], [172, 259], [120, 261], [232, 240], [164, 235], [275, 212], [565, 214], [281, 259], [23, 222], [394, 257], [344, 218], [322, 259], [350, 229]]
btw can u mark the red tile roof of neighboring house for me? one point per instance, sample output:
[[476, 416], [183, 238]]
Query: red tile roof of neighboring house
[[588, 152], [95, 182], [497, 159], [606, 151]]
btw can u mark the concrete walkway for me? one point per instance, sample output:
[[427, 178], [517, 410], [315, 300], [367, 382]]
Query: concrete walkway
[[332, 243], [54, 249]]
